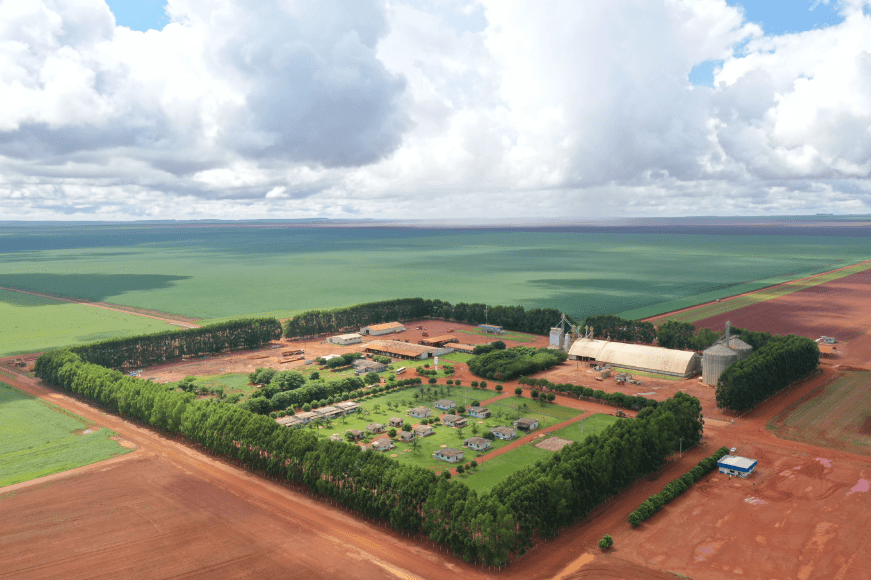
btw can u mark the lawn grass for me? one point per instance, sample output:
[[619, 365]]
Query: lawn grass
[[515, 336], [460, 357], [497, 469], [547, 414], [232, 383], [33, 323], [37, 439]]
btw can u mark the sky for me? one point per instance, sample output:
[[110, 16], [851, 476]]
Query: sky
[[433, 109]]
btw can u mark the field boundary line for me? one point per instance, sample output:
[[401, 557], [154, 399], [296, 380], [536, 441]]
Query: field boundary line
[[133, 310], [861, 266]]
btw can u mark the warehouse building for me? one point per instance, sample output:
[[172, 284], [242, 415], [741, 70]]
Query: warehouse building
[[379, 329], [345, 339], [439, 340], [735, 465], [637, 357], [397, 349]]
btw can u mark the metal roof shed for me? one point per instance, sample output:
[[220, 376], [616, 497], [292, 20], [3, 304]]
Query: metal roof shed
[[736, 465]]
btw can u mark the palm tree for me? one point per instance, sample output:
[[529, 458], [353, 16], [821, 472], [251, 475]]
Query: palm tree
[[415, 445]]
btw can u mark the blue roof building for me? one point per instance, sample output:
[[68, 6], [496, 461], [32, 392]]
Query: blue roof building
[[734, 465]]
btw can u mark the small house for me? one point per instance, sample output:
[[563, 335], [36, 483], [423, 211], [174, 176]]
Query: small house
[[375, 428], [422, 431], [348, 407], [735, 465], [477, 443], [454, 421], [336, 437], [448, 454], [419, 412], [444, 404], [365, 365], [478, 412], [505, 433], [525, 424], [382, 444], [356, 434], [405, 436], [396, 422]]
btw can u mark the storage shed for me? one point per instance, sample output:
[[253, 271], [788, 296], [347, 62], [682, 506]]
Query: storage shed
[[735, 465], [345, 339], [638, 357], [379, 329]]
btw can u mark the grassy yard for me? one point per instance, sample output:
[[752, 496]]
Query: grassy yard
[[232, 383], [460, 357], [547, 415], [497, 469], [37, 439], [33, 323], [646, 374], [515, 336]]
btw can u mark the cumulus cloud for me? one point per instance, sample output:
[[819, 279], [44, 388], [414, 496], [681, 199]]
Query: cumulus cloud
[[430, 108]]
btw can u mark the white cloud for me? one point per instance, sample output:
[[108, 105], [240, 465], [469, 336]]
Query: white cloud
[[428, 108]]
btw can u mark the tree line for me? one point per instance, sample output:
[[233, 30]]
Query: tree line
[[516, 318], [684, 336], [782, 361], [609, 327], [486, 527], [510, 363], [618, 399], [151, 349], [676, 487]]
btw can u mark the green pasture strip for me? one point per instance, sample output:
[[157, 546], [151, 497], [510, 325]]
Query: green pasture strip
[[547, 414], [646, 374], [592, 425], [36, 439], [836, 414], [762, 295], [458, 357], [495, 470], [34, 323], [507, 336]]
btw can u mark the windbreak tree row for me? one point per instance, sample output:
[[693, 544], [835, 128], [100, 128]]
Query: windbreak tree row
[[314, 322], [746, 383], [612, 327], [150, 349], [618, 399], [676, 487], [684, 336], [488, 527]]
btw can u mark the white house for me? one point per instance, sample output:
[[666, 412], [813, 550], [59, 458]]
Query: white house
[[478, 443], [448, 454], [505, 433]]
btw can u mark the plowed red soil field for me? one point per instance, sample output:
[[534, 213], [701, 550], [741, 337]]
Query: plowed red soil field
[[839, 308]]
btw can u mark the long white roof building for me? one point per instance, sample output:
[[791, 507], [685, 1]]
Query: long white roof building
[[639, 357]]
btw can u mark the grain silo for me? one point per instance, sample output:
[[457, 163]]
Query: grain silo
[[739, 346], [714, 362]]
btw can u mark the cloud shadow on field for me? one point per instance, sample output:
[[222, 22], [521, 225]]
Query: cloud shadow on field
[[98, 287]]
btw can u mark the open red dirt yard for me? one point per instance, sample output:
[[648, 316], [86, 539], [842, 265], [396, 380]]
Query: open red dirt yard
[[839, 308]]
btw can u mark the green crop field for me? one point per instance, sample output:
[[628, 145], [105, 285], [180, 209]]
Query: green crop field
[[837, 416], [32, 323], [213, 271], [497, 469], [37, 439]]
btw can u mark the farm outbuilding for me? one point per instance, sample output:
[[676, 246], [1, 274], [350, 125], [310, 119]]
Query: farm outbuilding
[[439, 340], [735, 465], [491, 328], [348, 407], [397, 349], [379, 329], [464, 348], [365, 365], [637, 357], [345, 339]]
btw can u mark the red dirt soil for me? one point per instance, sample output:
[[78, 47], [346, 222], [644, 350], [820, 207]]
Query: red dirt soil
[[839, 308]]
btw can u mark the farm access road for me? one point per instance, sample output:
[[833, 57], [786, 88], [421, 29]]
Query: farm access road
[[183, 321]]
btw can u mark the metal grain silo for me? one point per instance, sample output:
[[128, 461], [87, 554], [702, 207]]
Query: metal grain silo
[[739, 346], [714, 362]]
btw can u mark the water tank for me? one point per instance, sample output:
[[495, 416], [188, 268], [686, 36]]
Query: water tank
[[714, 362], [739, 346]]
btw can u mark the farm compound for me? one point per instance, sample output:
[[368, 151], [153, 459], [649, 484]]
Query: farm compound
[[653, 359]]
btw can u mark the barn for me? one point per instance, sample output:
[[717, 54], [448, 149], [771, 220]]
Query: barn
[[379, 329], [637, 357], [345, 339], [402, 350]]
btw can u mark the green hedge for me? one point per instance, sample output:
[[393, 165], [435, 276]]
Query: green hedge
[[676, 487]]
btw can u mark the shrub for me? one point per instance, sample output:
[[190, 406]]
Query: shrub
[[518, 391], [474, 384], [483, 384], [458, 382], [606, 543], [450, 381], [433, 380], [391, 433], [499, 388], [460, 469], [306, 407]]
